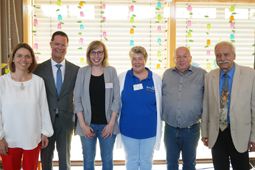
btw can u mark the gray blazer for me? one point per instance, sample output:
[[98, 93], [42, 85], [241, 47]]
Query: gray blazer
[[63, 101], [82, 98]]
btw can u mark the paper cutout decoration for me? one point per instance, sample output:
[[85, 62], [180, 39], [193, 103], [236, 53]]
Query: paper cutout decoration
[[208, 65], [231, 18], [59, 17], [35, 46], [80, 3], [188, 23], [232, 36], [81, 40], [104, 18], [208, 26], [59, 2], [159, 28], [131, 43], [82, 60], [232, 8], [232, 25], [132, 20], [104, 34], [189, 8], [37, 58], [35, 22], [132, 31], [59, 26], [158, 66], [159, 5], [189, 35], [159, 17], [103, 6], [188, 48], [159, 40], [208, 52], [159, 54], [208, 42], [81, 27], [3, 65], [131, 8], [6, 70], [81, 14]]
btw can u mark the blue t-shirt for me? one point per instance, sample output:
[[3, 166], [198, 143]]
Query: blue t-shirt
[[138, 113]]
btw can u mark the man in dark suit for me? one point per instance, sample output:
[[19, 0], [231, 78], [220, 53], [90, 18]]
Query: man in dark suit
[[59, 76]]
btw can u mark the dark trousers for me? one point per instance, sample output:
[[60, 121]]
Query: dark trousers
[[223, 149]]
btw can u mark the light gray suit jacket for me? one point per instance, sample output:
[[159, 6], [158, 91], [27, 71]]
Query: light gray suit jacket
[[242, 108], [82, 98]]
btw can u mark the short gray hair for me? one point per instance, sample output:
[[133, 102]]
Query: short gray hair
[[233, 49]]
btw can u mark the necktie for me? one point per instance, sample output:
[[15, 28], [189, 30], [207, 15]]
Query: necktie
[[59, 78], [224, 104]]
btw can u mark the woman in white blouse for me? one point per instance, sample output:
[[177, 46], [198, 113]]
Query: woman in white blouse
[[24, 116]]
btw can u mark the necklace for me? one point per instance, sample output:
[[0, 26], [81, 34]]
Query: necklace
[[22, 87]]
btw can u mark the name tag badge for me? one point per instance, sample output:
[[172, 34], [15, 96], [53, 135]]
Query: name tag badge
[[109, 85], [138, 87]]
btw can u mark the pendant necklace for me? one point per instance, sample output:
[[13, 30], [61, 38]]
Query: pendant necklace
[[22, 87]]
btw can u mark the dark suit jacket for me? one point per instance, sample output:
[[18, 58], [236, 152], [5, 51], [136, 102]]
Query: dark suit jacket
[[63, 101]]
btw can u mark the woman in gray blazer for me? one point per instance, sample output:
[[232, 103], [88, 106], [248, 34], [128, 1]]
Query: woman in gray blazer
[[97, 104]]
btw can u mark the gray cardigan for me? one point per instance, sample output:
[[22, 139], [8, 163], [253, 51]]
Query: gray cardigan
[[82, 99]]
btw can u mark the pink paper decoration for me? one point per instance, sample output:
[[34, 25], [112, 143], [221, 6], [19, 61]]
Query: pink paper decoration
[[35, 22], [189, 8], [37, 58], [189, 23], [59, 26], [81, 40], [132, 8], [104, 18], [208, 52], [104, 34], [81, 14], [103, 6], [159, 28], [35, 46], [232, 25]]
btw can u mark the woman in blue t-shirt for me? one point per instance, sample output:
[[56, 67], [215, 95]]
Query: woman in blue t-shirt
[[140, 121]]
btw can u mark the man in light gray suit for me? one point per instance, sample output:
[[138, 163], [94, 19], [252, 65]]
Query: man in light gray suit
[[59, 76]]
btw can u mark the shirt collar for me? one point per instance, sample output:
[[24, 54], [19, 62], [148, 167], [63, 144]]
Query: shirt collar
[[230, 73], [131, 74], [53, 63]]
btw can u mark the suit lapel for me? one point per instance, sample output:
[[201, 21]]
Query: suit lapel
[[237, 81], [68, 73], [48, 71], [215, 85]]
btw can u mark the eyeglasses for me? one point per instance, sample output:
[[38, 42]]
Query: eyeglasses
[[99, 53], [64, 46]]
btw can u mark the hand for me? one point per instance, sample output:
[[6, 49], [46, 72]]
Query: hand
[[3, 147], [45, 141], [251, 147], [88, 132], [108, 129], [205, 141]]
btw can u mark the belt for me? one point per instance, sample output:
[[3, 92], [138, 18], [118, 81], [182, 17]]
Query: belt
[[187, 127]]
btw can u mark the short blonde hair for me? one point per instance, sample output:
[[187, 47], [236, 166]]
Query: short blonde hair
[[138, 50], [11, 64], [94, 45]]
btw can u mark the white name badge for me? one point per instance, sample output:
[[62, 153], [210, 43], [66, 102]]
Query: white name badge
[[109, 85], [138, 87]]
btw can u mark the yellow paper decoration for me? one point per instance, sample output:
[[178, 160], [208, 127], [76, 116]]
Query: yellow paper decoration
[[59, 2], [208, 42], [132, 20], [6, 70], [232, 8], [82, 60], [189, 35], [208, 26], [158, 66], [132, 31], [188, 48], [208, 65], [159, 17], [3, 64], [159, 53]]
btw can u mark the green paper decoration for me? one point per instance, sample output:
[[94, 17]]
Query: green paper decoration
[[189, 35], [159, 17], [132, 20], [159, 54], [208, 26], [82, 60], [59, 2], [232, 8]]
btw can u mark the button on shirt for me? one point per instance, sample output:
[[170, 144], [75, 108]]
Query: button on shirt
[[182, 96], [55, 69], [230, 74]]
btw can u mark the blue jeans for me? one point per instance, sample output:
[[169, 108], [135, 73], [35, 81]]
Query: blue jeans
[[139, 152], [185, 140], [89, 149]]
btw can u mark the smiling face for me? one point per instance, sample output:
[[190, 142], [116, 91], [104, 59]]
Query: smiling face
[[59, 48], [138, 62], [182, 59], [22, 59], [97, 56], [225, 57]]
